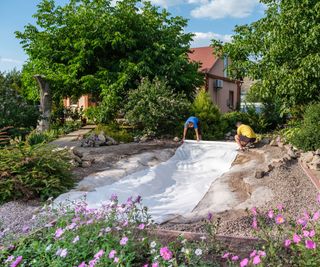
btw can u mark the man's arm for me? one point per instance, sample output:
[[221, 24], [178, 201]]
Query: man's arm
[[184, 133], [197, 134]]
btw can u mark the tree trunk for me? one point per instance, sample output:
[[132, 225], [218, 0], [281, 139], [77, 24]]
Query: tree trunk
[[45, 103]]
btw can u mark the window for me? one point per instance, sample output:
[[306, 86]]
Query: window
[[225, 66], [231, 100]]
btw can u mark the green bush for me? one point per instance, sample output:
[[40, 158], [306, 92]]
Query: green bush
[[209, 116], [155, 108], [113, 130], [15, 111], [33, 172], [306, 136]]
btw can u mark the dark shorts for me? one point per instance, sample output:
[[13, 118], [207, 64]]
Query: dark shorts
[[247, 139]]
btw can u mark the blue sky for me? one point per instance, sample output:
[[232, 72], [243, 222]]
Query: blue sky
[[207, 19]]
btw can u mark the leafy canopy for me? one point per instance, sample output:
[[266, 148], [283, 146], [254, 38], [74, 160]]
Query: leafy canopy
[[90, 46], [281, 51]]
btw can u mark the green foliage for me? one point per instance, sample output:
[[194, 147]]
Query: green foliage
[[306, 135], [15, 111], [94, 47], [209, 116], [30, 172], [93, 114], [281, 51], [113, 130], [155, 108], [115, 235]]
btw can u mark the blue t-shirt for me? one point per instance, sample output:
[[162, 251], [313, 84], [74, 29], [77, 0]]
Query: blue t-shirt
[[194, 120]]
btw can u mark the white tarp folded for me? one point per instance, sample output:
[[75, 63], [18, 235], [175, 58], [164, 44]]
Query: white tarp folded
[[173, 187]]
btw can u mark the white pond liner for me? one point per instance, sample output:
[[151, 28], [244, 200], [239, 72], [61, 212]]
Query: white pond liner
[[173, 187]]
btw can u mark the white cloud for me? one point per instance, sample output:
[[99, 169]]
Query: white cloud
[[10, 60], [166, 3], [217, 9], [204, 38]]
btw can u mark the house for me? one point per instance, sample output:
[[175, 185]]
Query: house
[[224, 91]]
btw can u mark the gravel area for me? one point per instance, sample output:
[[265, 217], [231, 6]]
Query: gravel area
[[291, 188]]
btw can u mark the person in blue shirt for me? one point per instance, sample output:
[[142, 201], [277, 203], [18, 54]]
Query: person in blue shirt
[[192, 122]]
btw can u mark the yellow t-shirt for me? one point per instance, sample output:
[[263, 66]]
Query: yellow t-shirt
[[246, 130]]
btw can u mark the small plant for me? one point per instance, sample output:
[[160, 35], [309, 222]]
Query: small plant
[[113, 130], [306, 136], [30, 172]]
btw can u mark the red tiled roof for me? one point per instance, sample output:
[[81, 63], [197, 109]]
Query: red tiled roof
[[204, 55]]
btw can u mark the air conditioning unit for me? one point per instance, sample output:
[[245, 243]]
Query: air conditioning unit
[[218, 84]]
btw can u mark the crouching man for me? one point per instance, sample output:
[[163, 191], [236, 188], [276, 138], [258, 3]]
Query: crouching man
[[245, 135], [192, 122]]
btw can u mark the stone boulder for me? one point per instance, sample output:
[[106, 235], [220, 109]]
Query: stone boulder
[[315, 163]]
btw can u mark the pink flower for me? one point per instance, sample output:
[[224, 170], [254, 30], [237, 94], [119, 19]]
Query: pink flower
[[71, 226], [256, 260], [312, 233], [112, 254], [99, 254], [316, 216], [25, 229], [116, 259], [280, 207], [155, 264], [280, 219], [226, 255], [254, 211], [310, 244], [254, 223], [270, 214], [302, 222], [141, 226], [9, 259], [165, 253], [114, 197], [244, 262], [16, 262], [287, 243], [253, 253], [62, 252], [306, 233], [261, 253], [59, 232], [124, 241], [82, 264], [92, 263], [146, 265], [76, 239], [235, 258], [210, 216], [296, 238]]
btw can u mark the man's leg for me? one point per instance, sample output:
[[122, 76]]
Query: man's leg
[[240, 142]]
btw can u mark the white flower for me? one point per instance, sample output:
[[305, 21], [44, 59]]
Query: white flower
[[198, 252], [153, 251], [108, 229], [184, 241], [183, 250], [203, 238], [153, 244], [48, 247], [187, 251]]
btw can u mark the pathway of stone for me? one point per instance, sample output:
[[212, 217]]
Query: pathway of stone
[[71, 139]]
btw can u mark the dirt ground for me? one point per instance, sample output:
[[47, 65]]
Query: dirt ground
[[289, 184]]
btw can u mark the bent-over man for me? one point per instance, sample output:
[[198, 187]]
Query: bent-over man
[[245, 135], [192, 122]]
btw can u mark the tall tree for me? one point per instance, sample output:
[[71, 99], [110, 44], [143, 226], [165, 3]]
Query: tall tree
[[281, 51], [90, 46]]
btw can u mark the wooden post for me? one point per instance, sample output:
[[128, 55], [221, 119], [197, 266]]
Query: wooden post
[[45, 103]]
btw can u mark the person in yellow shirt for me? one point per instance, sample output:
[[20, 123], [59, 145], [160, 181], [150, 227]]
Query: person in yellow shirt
[[245, 135]]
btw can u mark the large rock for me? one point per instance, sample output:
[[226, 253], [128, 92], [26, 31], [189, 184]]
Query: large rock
[[307, 157], [273, 143], [77, 152], [259, 174], [291, 153], [101, 136], [317, 152], [110, 139], [86, 164], [315, 163], [265, 141]]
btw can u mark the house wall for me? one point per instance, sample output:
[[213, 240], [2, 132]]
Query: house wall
[[221, 96], [84, 101]]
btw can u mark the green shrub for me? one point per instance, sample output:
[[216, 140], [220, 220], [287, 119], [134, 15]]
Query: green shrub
[[155, 108], [113, 130], [209, 116], [93, 114], [306, 136], [33, 172], [15, 111]]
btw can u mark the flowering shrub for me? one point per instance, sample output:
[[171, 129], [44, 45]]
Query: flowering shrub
[[122, 235], [113, 235]]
